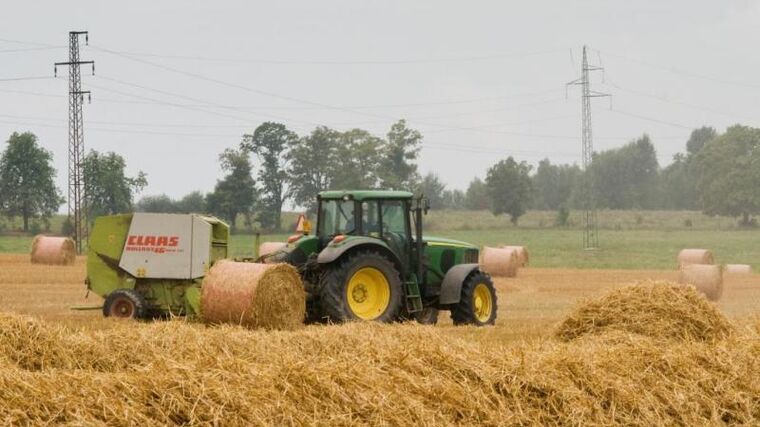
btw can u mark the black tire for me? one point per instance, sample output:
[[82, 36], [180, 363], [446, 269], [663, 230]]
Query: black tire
[[125, 304], [334, 295], [465, 312], [428, 316]]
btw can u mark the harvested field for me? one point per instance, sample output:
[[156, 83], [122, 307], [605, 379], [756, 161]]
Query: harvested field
[[83, 369]]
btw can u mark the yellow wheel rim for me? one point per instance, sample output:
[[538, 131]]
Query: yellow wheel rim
[[368, 293], [482, 303]]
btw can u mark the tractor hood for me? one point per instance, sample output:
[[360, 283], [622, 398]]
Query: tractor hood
[[440, 241]]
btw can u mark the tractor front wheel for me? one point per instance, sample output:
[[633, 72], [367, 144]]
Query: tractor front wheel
[[363, 286], [478, 304], [125, 304]]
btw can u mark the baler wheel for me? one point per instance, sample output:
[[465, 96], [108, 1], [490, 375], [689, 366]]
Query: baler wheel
[[125, 304]]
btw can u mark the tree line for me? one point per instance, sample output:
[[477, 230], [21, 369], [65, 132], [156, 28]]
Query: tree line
[[274, 166]]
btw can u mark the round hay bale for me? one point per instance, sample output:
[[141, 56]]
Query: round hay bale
[[267, 248], [50, 250], [657, 309], [708, 279], [695, 256], [738, 269], [499, 261], [522, 254], [269, 296]]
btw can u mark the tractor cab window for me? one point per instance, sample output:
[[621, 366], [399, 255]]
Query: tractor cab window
[[371, 218], [336, 217], [395, 232]]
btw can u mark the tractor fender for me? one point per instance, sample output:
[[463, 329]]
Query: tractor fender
[[451, 287], [333, 252]]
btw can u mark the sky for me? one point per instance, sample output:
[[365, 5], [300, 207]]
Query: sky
[[179, 81]]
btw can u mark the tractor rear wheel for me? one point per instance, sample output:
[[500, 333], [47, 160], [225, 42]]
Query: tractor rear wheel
[[478, 304], [363, 286], [125, 304]]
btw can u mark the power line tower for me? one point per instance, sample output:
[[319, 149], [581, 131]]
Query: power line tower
[[591, 230], [77, 199]]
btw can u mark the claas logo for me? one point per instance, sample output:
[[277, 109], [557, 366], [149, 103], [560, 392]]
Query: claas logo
[[154, 241]]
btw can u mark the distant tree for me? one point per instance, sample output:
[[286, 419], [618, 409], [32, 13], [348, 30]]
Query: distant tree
[[269, 142], [27, 176], [398, 166], [193, 202], [309, 165], [476, 197], [553, 184], [678, 182], [454, 200], [156, 204], [357, 161], [627, 177], [109, 191], [509, 188], [236, 192], [698, 139], [433, 189], [729, 174]]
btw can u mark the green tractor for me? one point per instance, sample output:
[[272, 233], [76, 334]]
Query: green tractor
[[368, 260]]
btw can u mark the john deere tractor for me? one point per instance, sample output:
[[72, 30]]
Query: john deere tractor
[[369, 260]]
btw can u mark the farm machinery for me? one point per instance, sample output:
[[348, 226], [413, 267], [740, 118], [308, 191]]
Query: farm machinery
[[367, 260]]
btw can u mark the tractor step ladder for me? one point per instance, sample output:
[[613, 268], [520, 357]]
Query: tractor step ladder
[[413, 297]]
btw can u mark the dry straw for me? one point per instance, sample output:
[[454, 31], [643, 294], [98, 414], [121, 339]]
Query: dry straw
[[708, 279], [53, 250], [522, 254], [654, 309], [499, 261], [738, 269], [695, 256], [269, 296], [179, 373], [267, 248]]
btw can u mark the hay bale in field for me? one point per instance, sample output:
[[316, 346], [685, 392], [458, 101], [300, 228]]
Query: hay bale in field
[[50, 250], [738, 269], [695, 256], [267, 248], [522, 254], [269, 296], [499, 261], [708, 279], [653, 308]]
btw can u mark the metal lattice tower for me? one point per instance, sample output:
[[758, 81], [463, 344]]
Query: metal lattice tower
[[590, 229], [77, 199]]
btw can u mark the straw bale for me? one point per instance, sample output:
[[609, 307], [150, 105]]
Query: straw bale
[[371, 374], [499, 261], [655, 309], [522, 253], [53, 250], [269, 296], [708, 279], [267, 248], [738, 269], [695, 256]]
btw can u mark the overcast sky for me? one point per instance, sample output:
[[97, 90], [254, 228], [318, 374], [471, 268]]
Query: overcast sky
[[179, 81]]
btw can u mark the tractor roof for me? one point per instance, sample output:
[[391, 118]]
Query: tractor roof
[[365, 194]]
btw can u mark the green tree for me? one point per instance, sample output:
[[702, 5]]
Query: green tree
[[553, 184], [235, 193], [454, 200], [433, 189], [26, 180], [269, 142], [193, 202], [679, 184], [309, 165], [729, 174], [357, 160], [109, 191], [399, 155], [509, 188], [476, 196], [627, 177], [156, 204], [698, 139]]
